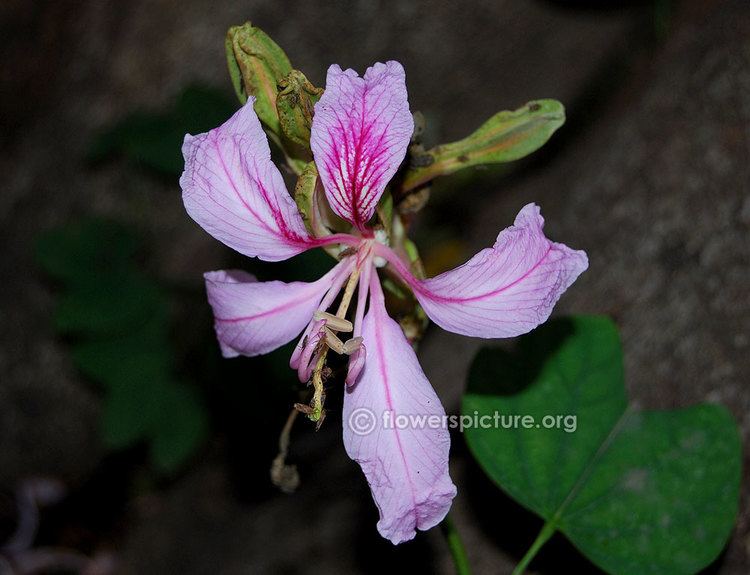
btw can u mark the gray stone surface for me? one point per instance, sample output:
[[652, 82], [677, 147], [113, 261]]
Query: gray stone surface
[[657, 192]]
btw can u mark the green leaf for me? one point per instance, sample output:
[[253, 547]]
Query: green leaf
[[93, 247], [121, 319], [131, 412], [505, 137], [128, 360], [151, 140], [154, 140], [108, 304], [200, 109], [182, 426], [635, 491]]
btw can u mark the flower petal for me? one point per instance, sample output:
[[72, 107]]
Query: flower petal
[[406, 466], [360, 132], [253, 318], [233, 190], [357, 359], [505, 290]]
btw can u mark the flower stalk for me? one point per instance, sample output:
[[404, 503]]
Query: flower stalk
[[456, 546]]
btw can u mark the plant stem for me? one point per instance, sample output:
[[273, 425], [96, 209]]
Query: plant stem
[[547, 531], [458, 551], [284, 476], [551, 526]]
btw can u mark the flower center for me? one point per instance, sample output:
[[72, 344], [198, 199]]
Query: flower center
[[381, 237], [326, 328]]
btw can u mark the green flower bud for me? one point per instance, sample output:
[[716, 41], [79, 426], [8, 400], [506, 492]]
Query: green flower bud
[[256, 65], [294, 104]]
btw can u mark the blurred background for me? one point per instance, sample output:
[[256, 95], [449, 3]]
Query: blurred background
[[147, 452]]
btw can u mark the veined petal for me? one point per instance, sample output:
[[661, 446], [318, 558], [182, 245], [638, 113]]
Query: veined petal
[[405, 465], [360, 132], [505, 290], [253, 318], [233, 190]]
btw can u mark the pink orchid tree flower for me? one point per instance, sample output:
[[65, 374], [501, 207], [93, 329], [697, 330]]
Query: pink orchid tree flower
[[360, 133]]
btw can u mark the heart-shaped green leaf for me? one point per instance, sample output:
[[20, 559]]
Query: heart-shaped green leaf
[[635, 491]]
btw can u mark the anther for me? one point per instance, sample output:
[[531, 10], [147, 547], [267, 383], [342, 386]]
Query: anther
[[334, 342], [352, 345], [333, 322]]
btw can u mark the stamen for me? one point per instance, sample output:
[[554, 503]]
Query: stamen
[[357, 360], [352, 345], [338, 282], [334, 342], [342, 348], [317, 378], [333, 322]]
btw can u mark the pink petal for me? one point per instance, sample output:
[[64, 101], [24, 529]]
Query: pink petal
[[357, 360], [231, 188], [407, 468], [360, 132], [253, 318], [505, 290]]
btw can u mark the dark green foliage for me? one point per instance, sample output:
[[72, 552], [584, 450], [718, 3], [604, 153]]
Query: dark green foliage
[[117, 318], [154, 140]]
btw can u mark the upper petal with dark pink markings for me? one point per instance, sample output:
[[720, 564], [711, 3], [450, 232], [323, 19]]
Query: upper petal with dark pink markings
[[360, 132]]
